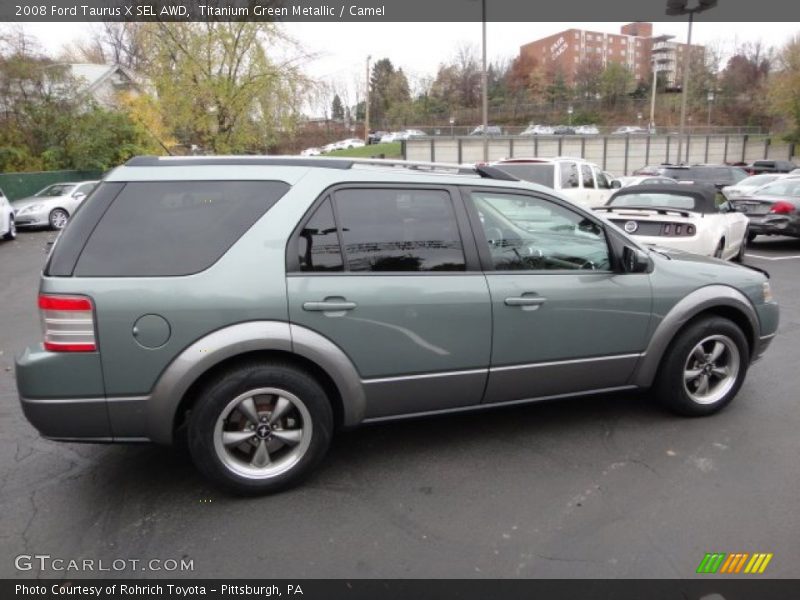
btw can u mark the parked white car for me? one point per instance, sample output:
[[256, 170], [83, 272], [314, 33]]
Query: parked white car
[[8, 229], [679, 216], [587, 130], [52, 206], [411, 133], [538, 130], [580, 181], [748, 185], [630, 130], [311, 152], [394, 136], [351, 143]]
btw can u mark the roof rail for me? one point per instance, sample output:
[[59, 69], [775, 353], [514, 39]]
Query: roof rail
[[484, 171]]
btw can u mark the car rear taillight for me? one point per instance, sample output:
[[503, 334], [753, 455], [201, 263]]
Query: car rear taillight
[[782, 208], [67, 323]]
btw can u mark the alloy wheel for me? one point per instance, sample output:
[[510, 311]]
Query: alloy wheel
[[711, 369]]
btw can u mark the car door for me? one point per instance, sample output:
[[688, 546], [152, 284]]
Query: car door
[[391, 276], [603, 185], [565, 321]]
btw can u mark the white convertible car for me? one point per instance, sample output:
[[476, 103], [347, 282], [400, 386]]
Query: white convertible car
[[684, 217]]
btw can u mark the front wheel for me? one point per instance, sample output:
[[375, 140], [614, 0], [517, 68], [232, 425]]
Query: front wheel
[[260, 428], [58, 218], [704, 367]]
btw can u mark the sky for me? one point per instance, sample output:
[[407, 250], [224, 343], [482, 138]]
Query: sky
[[340, 49]]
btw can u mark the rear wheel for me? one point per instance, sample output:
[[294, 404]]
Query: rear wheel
[[751, 235], [720, 249], [260, 428], [704, 367], [742, 248], [11, 234], [58, 218]]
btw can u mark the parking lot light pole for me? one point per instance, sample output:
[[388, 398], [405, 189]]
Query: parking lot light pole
[[366, 107], [569, 113], [710, 104], [676, 8], [484, 89]]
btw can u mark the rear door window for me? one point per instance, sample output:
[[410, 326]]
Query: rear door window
[[541, 173], [318, 243], [399, 230], [172, 228], [569, 175]]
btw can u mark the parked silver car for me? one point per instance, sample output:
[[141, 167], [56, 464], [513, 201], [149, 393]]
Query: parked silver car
[[52, 206]]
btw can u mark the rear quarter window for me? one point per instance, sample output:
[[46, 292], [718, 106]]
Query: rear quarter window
[[174, 228]]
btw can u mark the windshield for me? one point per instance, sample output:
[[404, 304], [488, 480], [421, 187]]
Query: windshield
[[541, 173], [758, 180], [677, 201], [58, 189]]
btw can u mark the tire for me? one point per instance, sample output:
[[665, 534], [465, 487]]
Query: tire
[[11, 234], [234, 440], [742, 249], [688, 363], [720, 249], [751, 235], [58, 218]]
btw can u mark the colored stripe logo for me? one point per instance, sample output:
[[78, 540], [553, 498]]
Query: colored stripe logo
[[737, 562]]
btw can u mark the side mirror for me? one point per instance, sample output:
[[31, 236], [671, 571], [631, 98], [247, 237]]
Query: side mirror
[[79, 196], [634, 260], [616, 184]]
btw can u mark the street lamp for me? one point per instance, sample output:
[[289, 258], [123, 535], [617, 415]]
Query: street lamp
[[676, 8], [710, 103], [569, 112], [366, 107], [484, 89], [452, 129], [639, 119]]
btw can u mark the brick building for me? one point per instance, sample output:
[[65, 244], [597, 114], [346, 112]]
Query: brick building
[[633, 47]]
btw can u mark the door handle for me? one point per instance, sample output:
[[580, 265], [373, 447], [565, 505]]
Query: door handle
[[329, 305], [526, 302]]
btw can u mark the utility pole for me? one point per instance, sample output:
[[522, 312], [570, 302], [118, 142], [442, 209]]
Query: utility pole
[[366, 107], [685, 92]]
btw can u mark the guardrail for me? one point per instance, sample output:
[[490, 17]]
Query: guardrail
[[618, 154]]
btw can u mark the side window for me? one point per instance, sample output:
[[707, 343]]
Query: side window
[[167, 228], [533, 234], [318, 245], [586, 176], [569, 175], [399, 230], [602, 181]]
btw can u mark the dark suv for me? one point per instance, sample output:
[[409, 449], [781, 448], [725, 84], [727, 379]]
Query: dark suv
[[257, 304], [719, 175]]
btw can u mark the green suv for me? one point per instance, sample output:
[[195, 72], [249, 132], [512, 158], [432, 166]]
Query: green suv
[[253, 305]]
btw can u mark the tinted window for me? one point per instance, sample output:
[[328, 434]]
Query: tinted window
[[784, 187], [174, 227], [586, 175], [569, 175], [86, 188], [318, 244], [543, 173], [399, 230], [533, 234]]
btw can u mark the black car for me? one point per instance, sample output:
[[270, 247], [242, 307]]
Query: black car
[[770, 166], [719, 175], [374, 137], [563, 130]]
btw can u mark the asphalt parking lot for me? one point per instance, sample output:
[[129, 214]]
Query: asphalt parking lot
[[606, 486]]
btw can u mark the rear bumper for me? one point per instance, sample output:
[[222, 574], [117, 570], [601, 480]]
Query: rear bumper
[[775, 225], [63, 397]]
